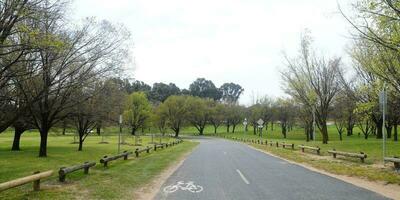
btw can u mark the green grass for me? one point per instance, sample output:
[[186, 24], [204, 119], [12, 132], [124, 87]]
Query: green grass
[[118, 181], [372, 146]]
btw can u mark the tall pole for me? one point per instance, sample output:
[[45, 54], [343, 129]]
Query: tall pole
[[313, 113], [119, 134], [383, 99]]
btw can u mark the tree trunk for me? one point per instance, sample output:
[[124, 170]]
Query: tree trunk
[[43, 143], [272, 125], [17, 137], [349, 127], [395, 133], [80, 142], [64, 128], [254, 130], [227, 128], [133, 132], [215, 129], [233, 128], [98, 130], [306, 131], [389, 131], [201, 130], [283, 130], [340, 135], [378, 126], [324, 132], [176, 132]]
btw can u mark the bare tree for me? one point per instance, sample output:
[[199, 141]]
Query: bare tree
[[69, 58], [314, 81]]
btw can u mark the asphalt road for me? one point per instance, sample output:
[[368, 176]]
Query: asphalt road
[[221, 169]]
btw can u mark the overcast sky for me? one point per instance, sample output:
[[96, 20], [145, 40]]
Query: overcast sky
[[237, 41]]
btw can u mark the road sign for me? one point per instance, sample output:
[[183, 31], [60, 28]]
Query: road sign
[[260, 122], [245, 122]]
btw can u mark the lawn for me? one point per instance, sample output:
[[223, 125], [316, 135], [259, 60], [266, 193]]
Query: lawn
[[118, 181]]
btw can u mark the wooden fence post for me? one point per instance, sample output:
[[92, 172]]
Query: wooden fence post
[[36, 184], [137, 152], [86, 169], [334, 154]]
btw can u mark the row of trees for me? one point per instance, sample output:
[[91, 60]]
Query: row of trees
[[184, 110], [178, 111], [201, 87]]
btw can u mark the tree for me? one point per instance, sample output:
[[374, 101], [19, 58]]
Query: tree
[[314, 81], [205, 89], [17, 49], [235, 115], [255, 113], [285, 109], [340, 115], [20, 126], [161, 91], [110, 103], [160, 119], [86, 112], [216, 117], [198, 112], [137, 110], [230, 92], [140, 86], [174, 109], [69, 58]]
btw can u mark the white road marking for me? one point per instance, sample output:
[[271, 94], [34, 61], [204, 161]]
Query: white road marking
[[242, 176], [181, 185]]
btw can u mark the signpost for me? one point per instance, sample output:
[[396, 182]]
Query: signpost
[[260, 123], [313, 113], [382, 105], [245, 125], [120, 131]]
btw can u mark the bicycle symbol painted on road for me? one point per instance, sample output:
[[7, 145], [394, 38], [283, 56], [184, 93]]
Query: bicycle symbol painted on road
[[189, 186]]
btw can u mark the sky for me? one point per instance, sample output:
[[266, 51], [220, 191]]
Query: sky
[[240, 41]]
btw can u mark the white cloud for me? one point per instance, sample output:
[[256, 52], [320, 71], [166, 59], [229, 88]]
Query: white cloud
[[225, 40]]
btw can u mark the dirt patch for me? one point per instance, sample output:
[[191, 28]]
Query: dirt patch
[[150, 190], [387, 190]]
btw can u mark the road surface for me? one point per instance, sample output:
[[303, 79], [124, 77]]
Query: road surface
[[221, 169]]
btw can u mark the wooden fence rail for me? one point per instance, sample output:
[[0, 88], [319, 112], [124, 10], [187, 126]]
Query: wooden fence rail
[[285, 145], [35, 178], [316, 149], [139, 151], [360, 155], [395, 161], [107, 159], [62, 173]]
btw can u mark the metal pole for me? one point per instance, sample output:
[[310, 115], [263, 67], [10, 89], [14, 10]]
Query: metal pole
[[119, 134], [119, 139], [383, 122], [313, 112]]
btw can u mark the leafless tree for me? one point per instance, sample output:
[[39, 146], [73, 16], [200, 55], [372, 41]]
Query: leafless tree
[[314, 81]]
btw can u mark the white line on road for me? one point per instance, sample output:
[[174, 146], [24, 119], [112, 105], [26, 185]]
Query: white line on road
[[244, 178]]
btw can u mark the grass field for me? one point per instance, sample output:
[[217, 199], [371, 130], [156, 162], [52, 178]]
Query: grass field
[[118, 181]]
